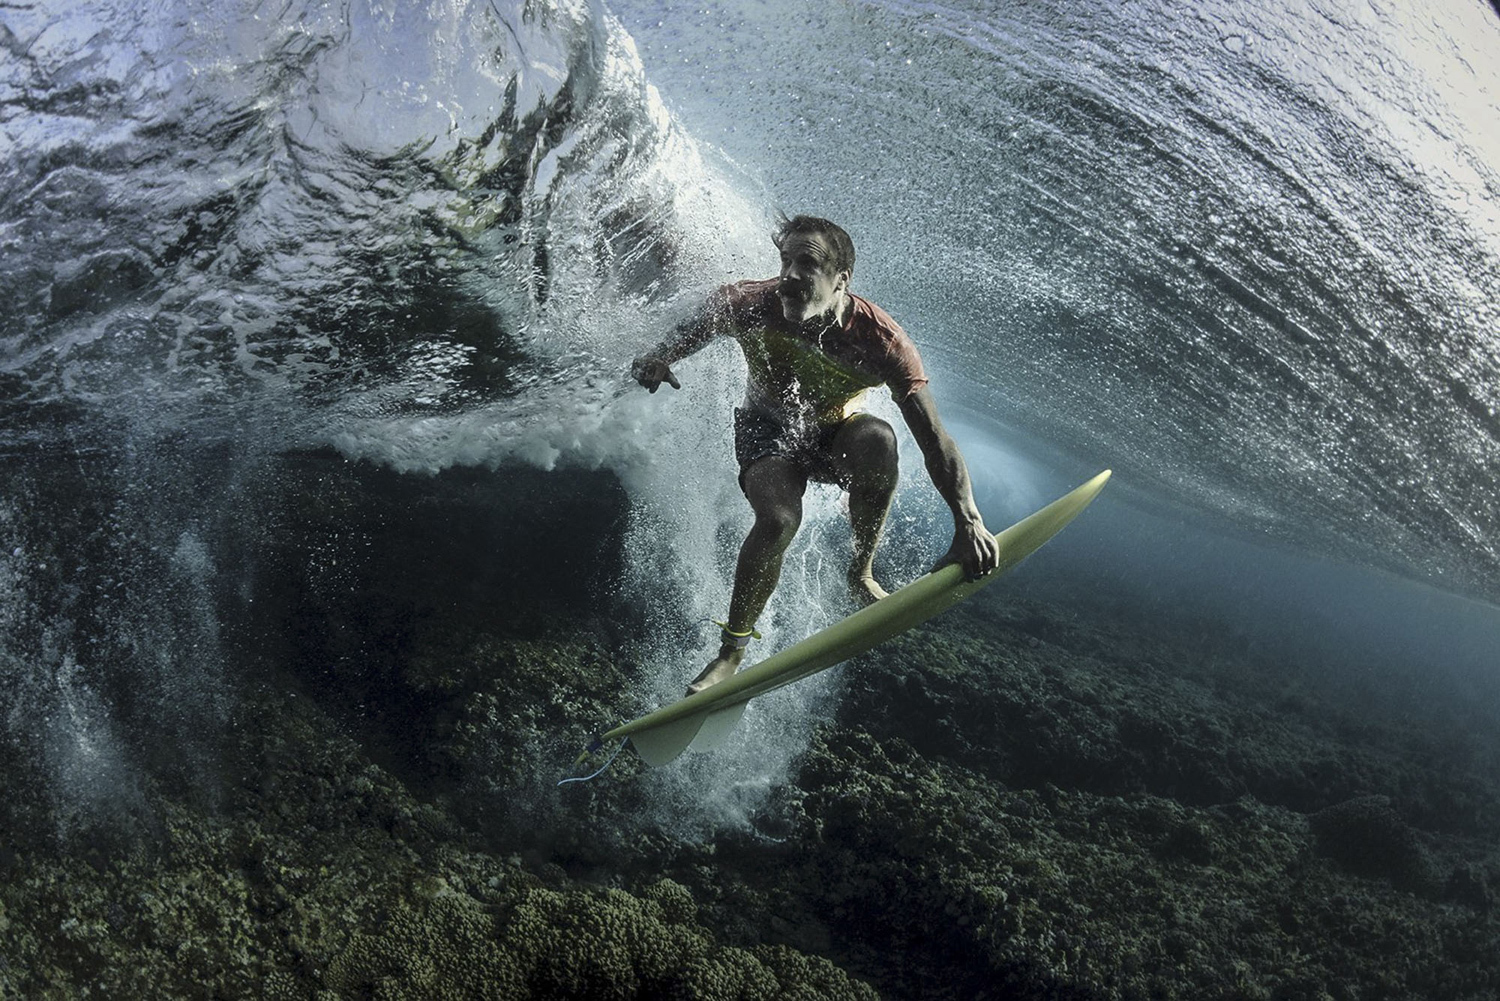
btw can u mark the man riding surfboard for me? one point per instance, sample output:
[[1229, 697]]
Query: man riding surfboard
[[813, 348]]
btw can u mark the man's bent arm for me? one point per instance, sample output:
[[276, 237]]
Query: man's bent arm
[[973, 546]]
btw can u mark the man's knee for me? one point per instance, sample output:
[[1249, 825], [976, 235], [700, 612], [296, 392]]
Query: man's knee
[[778, 522], [866, 449], [774, 488]]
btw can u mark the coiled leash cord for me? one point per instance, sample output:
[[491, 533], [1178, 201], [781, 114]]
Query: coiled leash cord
[[592, 748]]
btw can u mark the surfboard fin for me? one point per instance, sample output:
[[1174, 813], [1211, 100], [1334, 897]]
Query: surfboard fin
[[717, 727], [662, 744]]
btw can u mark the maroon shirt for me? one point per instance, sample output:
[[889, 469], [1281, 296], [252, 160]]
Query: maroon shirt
[[799, 376]]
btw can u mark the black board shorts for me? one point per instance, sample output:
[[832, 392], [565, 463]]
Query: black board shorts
[[758, 434]]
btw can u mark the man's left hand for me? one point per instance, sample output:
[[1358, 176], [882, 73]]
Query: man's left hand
[[974, 549]]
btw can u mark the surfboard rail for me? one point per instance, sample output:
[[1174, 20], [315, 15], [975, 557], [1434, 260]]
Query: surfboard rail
[[704, 719]]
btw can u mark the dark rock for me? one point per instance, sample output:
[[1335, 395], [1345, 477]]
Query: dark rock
[[1471, 886], [1192, 841], [1369, 838]]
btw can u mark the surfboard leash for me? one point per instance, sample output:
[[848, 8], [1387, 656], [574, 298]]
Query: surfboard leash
[[726, 636], [596, 745]]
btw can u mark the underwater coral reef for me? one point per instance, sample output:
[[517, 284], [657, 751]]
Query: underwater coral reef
[[1025, 799]]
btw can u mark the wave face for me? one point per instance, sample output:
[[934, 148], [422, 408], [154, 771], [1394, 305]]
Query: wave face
[[1249, 257]]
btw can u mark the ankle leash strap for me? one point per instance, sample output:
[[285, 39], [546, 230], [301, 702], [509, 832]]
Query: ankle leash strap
[[728, 637]]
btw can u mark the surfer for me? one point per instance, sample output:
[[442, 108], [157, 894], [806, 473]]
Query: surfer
[[813, 348]]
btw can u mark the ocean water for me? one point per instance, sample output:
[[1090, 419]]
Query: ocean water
[[1246, 255]]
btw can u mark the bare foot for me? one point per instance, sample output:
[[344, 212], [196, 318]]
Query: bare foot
[[721, 667], [864, 590]]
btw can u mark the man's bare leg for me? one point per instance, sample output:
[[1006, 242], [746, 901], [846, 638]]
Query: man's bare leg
[[865, 451], [774, 487]]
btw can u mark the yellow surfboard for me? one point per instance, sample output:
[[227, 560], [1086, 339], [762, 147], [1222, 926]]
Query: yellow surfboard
[[704, 719]]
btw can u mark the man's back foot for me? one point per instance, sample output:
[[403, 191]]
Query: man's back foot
[[721, 667], [864, 589]]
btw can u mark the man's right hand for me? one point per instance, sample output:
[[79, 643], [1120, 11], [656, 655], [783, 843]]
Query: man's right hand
[[652, 372]]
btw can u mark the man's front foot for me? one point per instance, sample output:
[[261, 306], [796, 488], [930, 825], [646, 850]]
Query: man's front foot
[[864, 589], [721, 667]]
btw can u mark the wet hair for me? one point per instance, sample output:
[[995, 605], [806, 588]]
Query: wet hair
[[843, 247]]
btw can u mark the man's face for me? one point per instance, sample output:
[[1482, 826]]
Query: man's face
[[810, 286]]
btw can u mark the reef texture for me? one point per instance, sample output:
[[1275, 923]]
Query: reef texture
[[1020, 801]]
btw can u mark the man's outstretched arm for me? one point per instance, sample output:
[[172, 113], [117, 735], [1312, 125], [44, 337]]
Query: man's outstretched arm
[[655, 366], [973, 547]]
